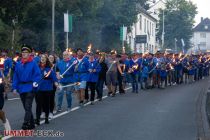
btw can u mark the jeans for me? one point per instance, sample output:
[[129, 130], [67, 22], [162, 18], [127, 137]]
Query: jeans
[[134, 80], [27, 101], [68, 91], [99, 88]]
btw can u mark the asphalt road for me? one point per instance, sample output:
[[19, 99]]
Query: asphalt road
[[168, 114]]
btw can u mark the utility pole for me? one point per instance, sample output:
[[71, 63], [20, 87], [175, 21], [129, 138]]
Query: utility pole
[[163, 32], [53, 25]]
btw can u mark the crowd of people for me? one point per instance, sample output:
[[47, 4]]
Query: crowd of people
[[47, 78]]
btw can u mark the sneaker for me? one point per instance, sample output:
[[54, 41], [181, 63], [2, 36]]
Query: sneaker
[[81, 103], [68, 109], [59, 110], [113, 95], [54, 111], [7, 125], [6, 97], [37, 122], [46, 121], [109, 94], [28, 126], [42, 115], [86, 101], [51, 116]]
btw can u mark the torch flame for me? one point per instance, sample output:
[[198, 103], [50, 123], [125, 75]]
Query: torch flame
[[180, 55], [2, 61], [89, 48], [16, 58], [69, 50], [135, 66]]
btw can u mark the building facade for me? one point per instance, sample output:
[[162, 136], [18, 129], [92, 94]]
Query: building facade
[[145, 26], [201, 36]]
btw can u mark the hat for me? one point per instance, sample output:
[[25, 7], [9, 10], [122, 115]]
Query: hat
[[79, 49], [26, 48]]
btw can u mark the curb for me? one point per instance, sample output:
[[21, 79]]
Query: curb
[[203, 115]]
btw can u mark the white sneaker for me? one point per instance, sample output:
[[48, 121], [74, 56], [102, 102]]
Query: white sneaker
[[7, 125], [50, 116], [54, 111], [42, 115], [68, 109]]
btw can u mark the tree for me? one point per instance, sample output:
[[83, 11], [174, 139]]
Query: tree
[[94, 21], [179, 20]]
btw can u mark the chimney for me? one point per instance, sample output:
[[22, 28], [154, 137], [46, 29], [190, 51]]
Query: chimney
[[201, 19]]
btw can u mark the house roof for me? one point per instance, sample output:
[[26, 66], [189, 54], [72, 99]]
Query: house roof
[[142, 10], [203, 26]]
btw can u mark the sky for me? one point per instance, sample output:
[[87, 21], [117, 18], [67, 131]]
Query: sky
[[203, 9]]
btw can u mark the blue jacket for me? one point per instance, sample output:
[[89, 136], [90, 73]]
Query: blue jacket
[[145, 72], [62, 66], [133, 63], [37, 59], [81, 70], [46, 84], [7, 66], [25, 75], [93, 76]]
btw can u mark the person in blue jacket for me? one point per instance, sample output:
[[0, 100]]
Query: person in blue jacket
[[93, 73], [45, 88], [133, 70], [65, 79], [6, 72], [81, 75], [25, 79], [145, 75]]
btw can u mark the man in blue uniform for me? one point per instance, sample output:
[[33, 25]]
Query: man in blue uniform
[[65, 79], [81, 75], [94, 69], [25, 79]]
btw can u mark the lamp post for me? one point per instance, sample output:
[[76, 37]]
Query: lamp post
[[53, 25], [14, 21], [163, 32]]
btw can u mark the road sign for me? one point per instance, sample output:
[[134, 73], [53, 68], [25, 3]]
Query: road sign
[[141, 38]]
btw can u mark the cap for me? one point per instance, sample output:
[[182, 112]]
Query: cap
[[26, 48]]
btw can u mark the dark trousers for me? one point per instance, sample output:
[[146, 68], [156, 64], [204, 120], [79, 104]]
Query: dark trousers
[[1, 101], [134, 78], [42, 103], [1, 96], [27, 101], [52, 101], [99, 88], [92, 86], [120, 83]]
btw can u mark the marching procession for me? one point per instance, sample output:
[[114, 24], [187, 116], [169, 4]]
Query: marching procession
[[47, 78]]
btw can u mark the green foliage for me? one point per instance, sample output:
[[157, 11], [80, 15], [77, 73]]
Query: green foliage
[[94, 21], [179, 20]]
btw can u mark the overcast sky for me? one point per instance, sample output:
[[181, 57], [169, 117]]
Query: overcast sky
[[203, 9]]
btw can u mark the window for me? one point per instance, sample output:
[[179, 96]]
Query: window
[[203, 35], [140, 22], [150, 28], [145, 26]]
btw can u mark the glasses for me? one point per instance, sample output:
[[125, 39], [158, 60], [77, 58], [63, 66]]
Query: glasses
[[25, 52]]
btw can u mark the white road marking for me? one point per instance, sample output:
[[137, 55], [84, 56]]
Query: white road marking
[[65, 112]]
